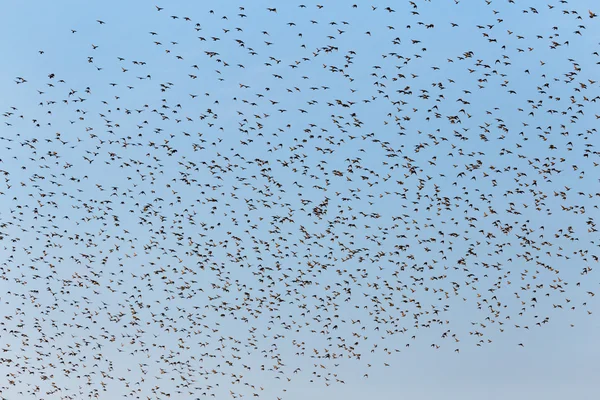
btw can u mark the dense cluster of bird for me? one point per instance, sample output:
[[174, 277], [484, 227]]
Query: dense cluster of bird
[[274, 185]]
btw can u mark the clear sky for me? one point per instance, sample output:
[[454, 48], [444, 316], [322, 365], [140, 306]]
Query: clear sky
[[299, 200]]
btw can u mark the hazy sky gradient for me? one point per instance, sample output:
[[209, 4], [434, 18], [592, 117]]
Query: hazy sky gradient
[[107, 143]]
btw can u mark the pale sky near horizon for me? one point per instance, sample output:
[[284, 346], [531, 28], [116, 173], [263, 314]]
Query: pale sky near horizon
[[192, 172]]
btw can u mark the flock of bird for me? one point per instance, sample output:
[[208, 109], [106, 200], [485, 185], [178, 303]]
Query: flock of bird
[[276, 185]]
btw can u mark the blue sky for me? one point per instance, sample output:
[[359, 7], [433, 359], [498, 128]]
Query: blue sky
[[217, 191]]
